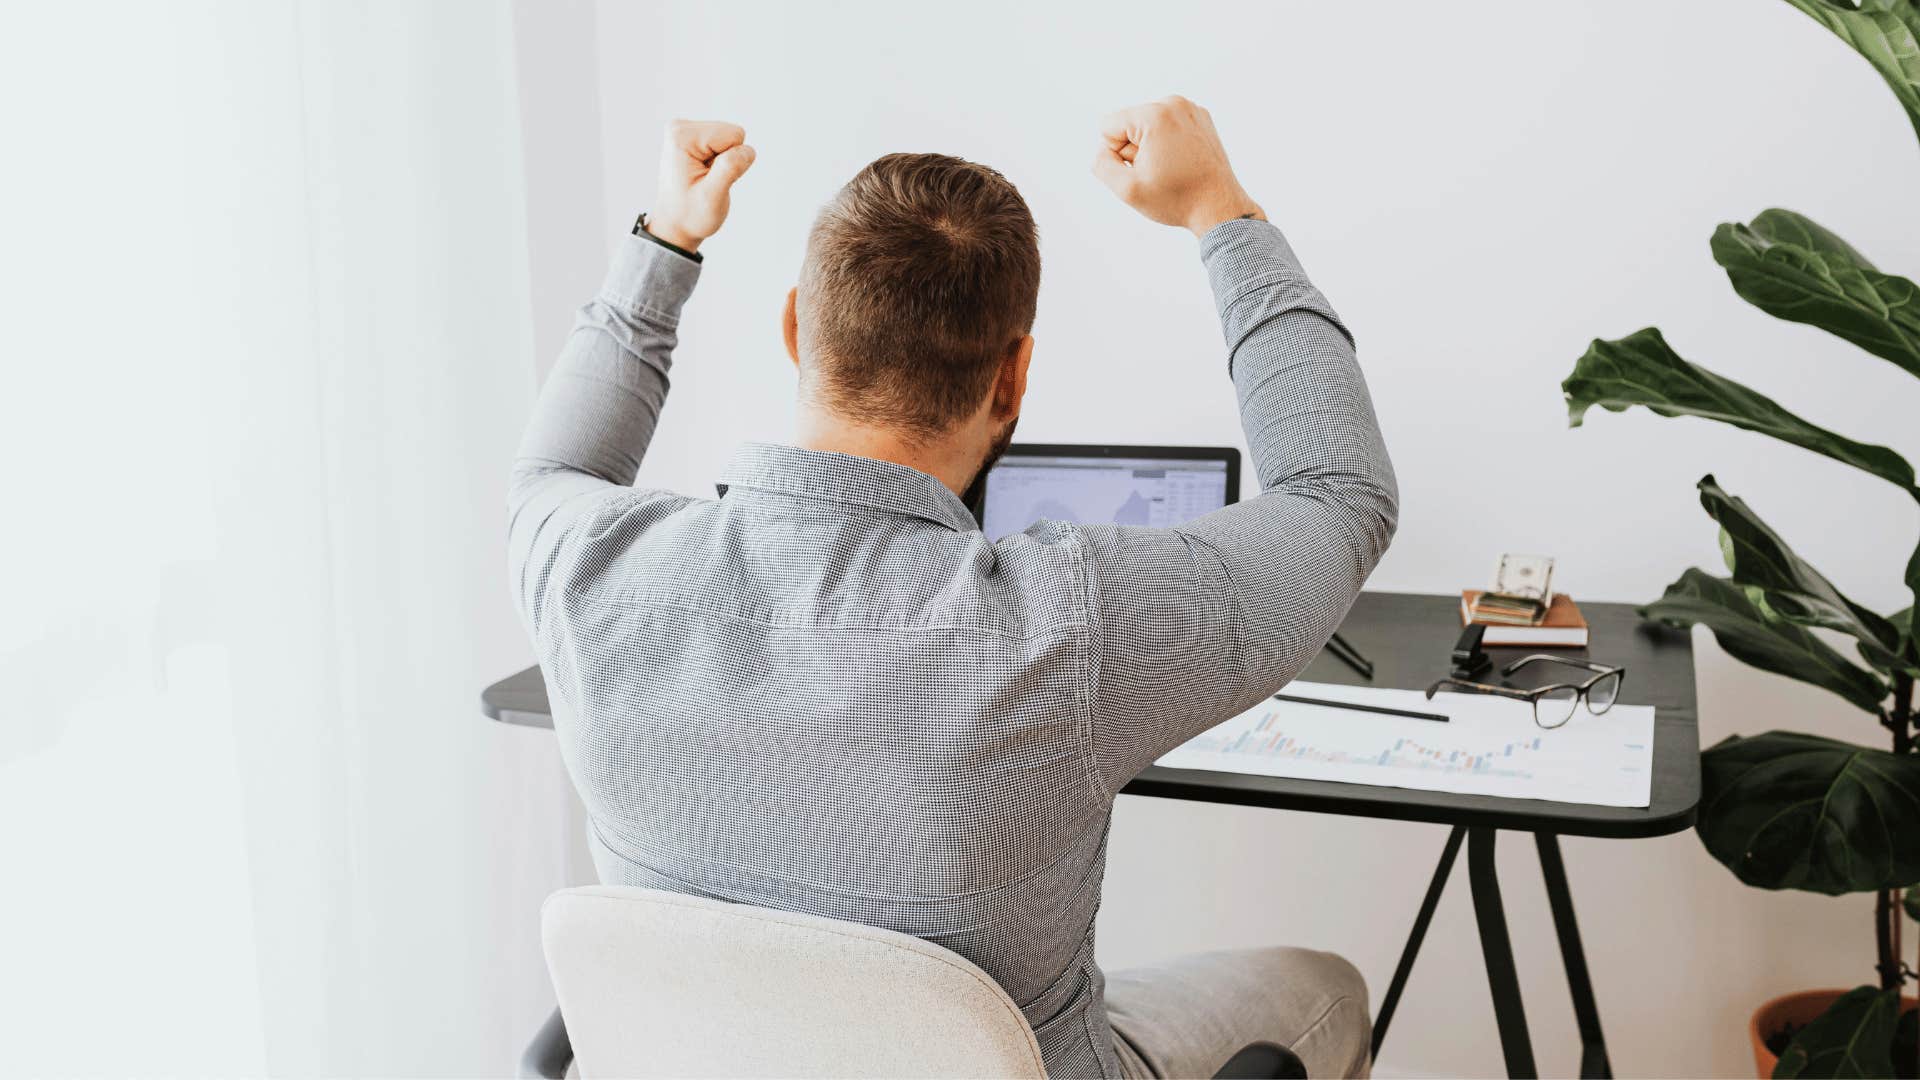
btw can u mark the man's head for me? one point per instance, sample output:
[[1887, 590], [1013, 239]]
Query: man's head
[[914, 306]]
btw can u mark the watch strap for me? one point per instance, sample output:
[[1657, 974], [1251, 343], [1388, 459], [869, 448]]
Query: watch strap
[[640, 229]]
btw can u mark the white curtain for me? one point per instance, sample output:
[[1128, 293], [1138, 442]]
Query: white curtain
[[267, 350]]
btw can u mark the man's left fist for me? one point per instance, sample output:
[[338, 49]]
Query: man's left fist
[[698, 166]]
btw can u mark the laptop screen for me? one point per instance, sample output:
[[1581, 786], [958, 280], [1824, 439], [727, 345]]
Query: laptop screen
[[1159, 492]]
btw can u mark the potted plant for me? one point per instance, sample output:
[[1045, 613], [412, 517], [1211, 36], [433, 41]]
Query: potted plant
[[1785, 810]]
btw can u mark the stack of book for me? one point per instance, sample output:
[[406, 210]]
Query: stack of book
[[1522, 608], [1499, 609], [1561, 625]]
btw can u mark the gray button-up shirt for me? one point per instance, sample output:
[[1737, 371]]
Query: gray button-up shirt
[[826, 691]]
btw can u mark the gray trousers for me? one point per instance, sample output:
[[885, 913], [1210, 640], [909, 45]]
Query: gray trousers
[[1185, 1018]]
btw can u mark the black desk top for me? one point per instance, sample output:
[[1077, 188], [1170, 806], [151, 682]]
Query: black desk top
[[1408, 636]]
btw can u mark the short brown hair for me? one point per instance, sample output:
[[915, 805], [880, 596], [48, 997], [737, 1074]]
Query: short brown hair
[[921, 275]]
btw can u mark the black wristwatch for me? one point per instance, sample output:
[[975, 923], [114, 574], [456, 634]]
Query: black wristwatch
[[640, 229]]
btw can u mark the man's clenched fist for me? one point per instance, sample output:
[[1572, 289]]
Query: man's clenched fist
[[1165, 160], [698, 166]]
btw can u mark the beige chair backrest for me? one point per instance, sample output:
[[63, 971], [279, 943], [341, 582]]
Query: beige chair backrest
[[658, 984]]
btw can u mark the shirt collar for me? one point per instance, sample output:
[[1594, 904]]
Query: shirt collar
[[844, 478]]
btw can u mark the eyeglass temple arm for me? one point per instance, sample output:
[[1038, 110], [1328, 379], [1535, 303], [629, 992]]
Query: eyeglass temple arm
[[1550, 658], [1484, 688]]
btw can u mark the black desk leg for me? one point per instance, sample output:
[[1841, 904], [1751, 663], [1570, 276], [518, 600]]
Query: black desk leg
[[1593, 1049], [1434, 888], [1508, 1011]]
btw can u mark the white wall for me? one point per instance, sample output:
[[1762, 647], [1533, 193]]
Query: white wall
[[1480, 190]]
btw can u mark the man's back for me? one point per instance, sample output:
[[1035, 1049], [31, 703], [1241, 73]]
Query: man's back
[[827, 692], [853, 707]]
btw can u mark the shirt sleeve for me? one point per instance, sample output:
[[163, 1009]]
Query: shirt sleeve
[[595, 416], [1192, 625]]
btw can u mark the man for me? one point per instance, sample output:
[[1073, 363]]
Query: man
[[826, 691]]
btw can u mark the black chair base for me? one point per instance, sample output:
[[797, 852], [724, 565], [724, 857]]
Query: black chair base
[[1263, 1061], [550, 1052]]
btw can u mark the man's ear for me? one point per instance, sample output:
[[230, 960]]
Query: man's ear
[[790, 325], [1011, 386]]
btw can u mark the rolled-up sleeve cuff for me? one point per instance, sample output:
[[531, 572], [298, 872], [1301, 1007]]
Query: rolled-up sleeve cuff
[[647, 279], [1255, 277], [1246, 240]]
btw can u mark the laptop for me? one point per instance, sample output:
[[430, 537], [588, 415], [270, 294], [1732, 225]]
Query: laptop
[[1157, 486]]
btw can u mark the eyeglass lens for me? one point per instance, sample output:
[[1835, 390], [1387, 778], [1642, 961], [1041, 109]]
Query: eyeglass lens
[[1603, 693], [1555, 707]]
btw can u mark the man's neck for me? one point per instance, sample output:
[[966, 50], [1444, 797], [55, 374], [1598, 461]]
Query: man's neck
[[945, 462]]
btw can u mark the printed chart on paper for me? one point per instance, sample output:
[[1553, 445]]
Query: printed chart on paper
[[1488, 746]]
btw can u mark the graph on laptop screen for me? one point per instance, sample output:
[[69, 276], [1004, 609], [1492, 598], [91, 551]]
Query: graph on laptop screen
[[1157, 492]]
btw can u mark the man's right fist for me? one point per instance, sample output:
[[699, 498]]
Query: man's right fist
[[1165, 160], [698, 166]]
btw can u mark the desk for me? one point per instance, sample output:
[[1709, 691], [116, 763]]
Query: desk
[[1407, 636]]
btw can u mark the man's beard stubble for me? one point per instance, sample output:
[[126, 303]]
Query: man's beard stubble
[[1000, 443]]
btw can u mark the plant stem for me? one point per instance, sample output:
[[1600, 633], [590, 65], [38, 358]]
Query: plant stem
[[1886, 909], [1887, 912], [1888, 964], [1902, 713]]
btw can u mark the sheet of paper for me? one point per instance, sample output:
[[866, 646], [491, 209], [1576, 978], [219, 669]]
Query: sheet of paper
[[1488, 746]]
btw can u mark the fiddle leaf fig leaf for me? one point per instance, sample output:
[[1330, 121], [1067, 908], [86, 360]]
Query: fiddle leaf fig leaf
[[1886, 32], [1642, 369], [1913, 585], [1909, 650], [1791, 268], [1853, 1038], [1794, 590], [1882, 661], [1750, 632], [1787, 810]]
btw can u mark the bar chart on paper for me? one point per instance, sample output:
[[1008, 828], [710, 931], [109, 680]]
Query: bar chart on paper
[[1488, 746]]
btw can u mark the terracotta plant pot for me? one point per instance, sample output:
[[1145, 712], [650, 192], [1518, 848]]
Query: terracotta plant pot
[[1798, 1009]]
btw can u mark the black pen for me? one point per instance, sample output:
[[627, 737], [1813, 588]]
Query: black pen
[[1296, 700]]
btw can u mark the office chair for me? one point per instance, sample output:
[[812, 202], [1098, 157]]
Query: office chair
[[659, 984]]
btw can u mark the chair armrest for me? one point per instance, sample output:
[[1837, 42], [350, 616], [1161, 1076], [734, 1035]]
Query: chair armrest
[[550, 1052]]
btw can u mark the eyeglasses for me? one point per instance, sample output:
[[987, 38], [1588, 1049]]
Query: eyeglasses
[[1552, 705]]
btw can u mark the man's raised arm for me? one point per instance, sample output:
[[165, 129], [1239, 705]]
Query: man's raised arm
[[597, 412], [1195, 624]]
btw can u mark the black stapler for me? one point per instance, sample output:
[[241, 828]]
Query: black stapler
[[1469, 660]]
